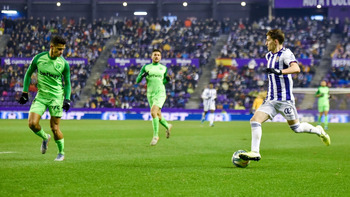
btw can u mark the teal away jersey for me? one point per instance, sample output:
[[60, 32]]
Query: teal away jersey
[[155, 78], [324, 91], [50, 73]]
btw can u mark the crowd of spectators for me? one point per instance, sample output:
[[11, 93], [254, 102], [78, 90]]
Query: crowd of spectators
[[136, 39], [117, 88], [237, 86], [342, 50], [29, 37], [305, 37], [179, 39]]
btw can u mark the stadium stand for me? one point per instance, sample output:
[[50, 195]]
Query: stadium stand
[[137, 38], [176, 41], [29, 37]]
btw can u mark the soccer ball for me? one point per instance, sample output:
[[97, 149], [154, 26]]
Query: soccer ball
[[238, 162]]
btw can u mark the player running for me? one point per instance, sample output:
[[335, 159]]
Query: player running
[[156, 76], [51, 67], [281, 63]]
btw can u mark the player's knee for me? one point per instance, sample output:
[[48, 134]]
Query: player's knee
[[33, 126], [54, 127], [253, 119], [154, 114]]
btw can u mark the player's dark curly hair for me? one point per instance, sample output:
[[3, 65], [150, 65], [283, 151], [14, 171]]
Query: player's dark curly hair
[[55, 40], [156, 50], [276, 34]]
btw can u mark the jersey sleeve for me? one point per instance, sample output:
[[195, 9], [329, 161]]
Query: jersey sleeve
[[67, 84], [289, 57], [204, 94], [139, 77], [214, 95], [165, 81], [32, 67], [318, 92]]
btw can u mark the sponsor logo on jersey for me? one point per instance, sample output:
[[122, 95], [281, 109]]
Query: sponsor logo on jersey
[[288, 110], [47, 74], [154, 75]]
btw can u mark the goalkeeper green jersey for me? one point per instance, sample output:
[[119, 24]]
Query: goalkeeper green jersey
[[50, 73], [324, 98], [156, 78]]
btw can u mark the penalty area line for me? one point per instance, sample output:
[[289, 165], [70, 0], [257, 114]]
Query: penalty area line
[[7, 152]]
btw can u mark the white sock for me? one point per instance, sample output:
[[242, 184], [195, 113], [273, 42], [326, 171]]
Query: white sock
[[256, 136], [211, 118], [203, 115], [305, 127]]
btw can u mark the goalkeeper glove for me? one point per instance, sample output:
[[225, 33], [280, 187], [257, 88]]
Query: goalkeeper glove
[[273, 71], [24, 98], [66, 105], [144, 74]]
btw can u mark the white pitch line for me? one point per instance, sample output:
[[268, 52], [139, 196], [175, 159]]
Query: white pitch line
[[7, 152]]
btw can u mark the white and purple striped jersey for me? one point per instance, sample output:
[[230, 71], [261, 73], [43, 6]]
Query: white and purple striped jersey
[[209, 96], [280, 86]]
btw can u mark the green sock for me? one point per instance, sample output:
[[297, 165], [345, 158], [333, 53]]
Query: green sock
[[155, 123], [319, 120], [164, 123], [326, 121], [60, 145], [42, 134]]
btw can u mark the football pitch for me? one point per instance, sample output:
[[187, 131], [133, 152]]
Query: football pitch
[[114, 158]]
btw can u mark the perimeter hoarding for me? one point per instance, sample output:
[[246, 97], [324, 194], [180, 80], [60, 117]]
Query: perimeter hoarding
[[335, 116]]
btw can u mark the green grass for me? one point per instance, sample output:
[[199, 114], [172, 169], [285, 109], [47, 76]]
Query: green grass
[[113, 158]]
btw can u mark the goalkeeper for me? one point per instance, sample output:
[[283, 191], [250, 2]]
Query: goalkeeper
[[51, 67], [156, 76], [323, 103]]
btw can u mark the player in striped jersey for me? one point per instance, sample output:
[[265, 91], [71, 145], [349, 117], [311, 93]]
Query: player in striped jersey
[[281, 64]]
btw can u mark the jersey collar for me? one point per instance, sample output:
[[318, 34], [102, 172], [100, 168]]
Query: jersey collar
[[278, 51]]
